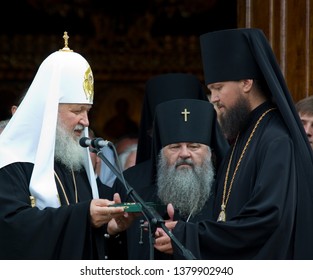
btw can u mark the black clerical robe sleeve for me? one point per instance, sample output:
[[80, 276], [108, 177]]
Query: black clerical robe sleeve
[[29, 233], [260, 211]]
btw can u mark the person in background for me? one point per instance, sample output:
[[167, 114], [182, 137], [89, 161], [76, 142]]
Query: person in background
[[13, 109], [50, 205], [128, 157], [96, 161], [140, 177], [103, 173], [124, 142], [263, 200], [3, 124], [304, 108], [107, 177], [19, 101], [10, 103]]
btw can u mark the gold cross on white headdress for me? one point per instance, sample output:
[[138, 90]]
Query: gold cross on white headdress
[[66, 48]]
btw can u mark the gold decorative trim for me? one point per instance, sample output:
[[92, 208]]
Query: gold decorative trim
[[32, 201]]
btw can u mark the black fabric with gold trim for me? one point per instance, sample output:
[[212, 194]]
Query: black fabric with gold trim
[[270, 211]]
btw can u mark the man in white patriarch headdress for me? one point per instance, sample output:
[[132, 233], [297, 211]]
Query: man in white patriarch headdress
[[49, 200]]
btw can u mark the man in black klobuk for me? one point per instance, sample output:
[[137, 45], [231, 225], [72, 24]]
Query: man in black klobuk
[[159, 89], [263, 202]]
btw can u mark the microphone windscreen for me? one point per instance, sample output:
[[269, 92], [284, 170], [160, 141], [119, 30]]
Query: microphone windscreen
[[84, 142]]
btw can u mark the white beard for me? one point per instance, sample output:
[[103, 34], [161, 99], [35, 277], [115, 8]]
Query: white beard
[[187, 189], [67, 149]]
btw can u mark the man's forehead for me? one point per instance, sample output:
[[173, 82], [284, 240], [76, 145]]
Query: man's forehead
[[306, 115], [75, 105], [185, 143]]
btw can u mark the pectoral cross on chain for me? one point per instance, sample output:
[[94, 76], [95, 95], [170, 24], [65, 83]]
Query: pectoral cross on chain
[[185, 113]]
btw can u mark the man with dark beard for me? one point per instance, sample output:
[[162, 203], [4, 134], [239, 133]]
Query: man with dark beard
[[263, 202], [50, 204]]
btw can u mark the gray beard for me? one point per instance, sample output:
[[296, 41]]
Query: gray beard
[[187, 189], [67, 149], [235, 119]]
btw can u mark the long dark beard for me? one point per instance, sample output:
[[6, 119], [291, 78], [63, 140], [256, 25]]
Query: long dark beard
[[67, 149], [187, 189], [234, 119]]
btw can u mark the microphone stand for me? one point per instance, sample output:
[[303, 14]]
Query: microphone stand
[[154, 218]]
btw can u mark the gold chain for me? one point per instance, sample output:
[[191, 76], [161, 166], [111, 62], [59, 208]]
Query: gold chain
[[222, 215], [63, 190]]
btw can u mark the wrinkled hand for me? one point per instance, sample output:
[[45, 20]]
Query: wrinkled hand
[[162, 240], [101, 214]]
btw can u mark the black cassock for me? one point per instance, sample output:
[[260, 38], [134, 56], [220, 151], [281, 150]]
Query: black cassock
[[261, 212], [52, 233]]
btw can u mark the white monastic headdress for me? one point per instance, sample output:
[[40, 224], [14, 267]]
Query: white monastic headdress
[[63, 77]]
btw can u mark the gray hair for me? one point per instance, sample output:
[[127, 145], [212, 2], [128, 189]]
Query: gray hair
[[124, 155]]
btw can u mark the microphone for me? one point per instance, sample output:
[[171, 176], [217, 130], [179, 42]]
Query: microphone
[[85, 142], [96, 143], [99, 143]]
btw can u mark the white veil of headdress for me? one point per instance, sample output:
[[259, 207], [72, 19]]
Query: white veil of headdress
[[63, 77]]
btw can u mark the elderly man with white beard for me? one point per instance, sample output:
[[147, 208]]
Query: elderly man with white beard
[[184, 144], [185, 137], [185, 177], [50, 204]]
